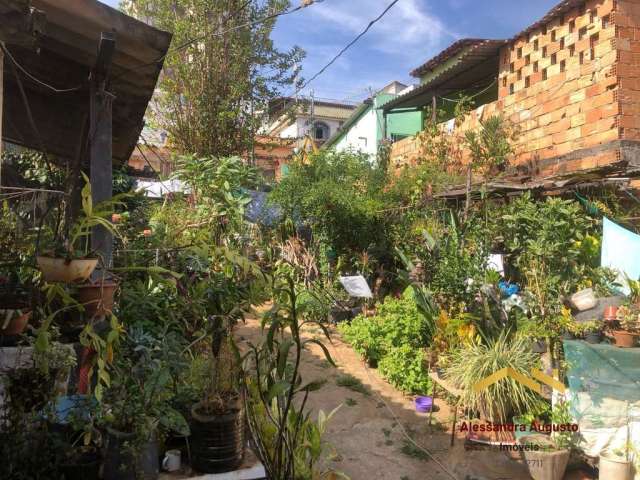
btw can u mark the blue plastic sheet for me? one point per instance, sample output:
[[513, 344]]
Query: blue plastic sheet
[[620, 251]]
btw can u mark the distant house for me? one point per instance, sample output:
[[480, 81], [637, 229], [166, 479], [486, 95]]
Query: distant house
[[293, 118], [367, 127], [568, 81]]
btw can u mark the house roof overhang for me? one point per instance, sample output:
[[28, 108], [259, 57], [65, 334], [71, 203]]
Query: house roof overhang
[[464, 65], [56, 41]]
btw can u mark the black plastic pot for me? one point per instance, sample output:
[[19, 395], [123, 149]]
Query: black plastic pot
[[593, 338], [568, 336], [217, 441], [539, 346], [120, 463], [337, 315], [86, 466]]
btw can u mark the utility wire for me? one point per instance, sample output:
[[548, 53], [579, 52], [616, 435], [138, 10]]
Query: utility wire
[[190, 42], [33, 78], [348, 46]]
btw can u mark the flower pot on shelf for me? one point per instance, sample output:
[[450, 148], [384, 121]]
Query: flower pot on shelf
[[13, 321], [610, 313], [84, 465], [593, 337], [122, 461], [547, 463], [98, 298], [611, 466], [539, 346], [58, 269], [217, 441], [625, 339]]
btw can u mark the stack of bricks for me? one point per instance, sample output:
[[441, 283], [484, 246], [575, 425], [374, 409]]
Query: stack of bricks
[[571, 86]]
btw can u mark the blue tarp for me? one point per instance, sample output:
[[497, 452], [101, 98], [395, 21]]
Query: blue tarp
[[620, 251], [261, 211]]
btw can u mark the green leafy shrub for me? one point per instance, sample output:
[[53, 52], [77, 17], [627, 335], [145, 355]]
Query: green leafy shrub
[[404, 368], [394, 337], [397, 323]]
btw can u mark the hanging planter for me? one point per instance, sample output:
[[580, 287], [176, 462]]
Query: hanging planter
[[217, 441], [13, 321], [60, 269], [97, 298]]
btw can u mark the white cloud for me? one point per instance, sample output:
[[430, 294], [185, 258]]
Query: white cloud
[[407, 30]]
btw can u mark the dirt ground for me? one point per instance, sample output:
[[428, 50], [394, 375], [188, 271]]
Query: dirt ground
[[369, 432]]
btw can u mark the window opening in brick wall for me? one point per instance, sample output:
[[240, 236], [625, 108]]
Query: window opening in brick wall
[[582, 33], [519, 74], [535, 67], [581, 58], [553, 35], [544, 52], [512, 67], [527, 60], [563, 65], [572, 26], [512, 89], [527, 82], [606, 21], [593, 42], [519, 52], [562, 43], [545, 74], [536, 44], [504, 81], [554, 59], [572, 50]]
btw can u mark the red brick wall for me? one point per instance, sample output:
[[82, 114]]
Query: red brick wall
[[627, 22], [570, 86]]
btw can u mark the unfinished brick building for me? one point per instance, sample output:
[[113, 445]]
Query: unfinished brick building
[[571, 82]]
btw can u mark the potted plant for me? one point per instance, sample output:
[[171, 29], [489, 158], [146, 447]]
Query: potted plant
[[547, 457], [70, 259], [13, 321], [478, 360], [592, 331], [135, 408], [618, 463], [629, 321], [217, 422]]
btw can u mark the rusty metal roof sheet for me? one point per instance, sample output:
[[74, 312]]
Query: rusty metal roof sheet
[[59, 46]]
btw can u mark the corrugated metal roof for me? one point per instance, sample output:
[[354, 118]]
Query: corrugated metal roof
[[477, 66], [446, 54]]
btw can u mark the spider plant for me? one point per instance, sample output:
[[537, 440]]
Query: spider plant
[[476, 361]]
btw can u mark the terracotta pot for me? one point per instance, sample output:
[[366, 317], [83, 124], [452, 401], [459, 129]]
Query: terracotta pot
[[16, 325], [611, 313], [97, 299], [625, 339], [64, 270]]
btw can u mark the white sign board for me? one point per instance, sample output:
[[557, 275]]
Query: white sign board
[[356, 286]]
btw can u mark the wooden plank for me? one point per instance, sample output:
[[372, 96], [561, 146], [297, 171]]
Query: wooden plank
[[1, 104], [101, 143]]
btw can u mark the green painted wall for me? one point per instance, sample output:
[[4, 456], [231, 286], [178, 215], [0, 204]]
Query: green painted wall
[[400, 123]]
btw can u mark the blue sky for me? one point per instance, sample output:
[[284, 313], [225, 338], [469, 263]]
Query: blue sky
[[412, 32]]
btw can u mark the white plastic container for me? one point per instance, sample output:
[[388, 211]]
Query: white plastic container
[[584, 300], [612, 467]]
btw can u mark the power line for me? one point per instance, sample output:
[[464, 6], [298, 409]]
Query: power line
[[33, 78], [190, 42], [349, 45]]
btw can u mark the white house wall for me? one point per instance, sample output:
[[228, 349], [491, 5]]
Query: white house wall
[[362, 136]]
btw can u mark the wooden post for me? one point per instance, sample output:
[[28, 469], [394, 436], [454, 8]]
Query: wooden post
[[100, 144], [1, 103]]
